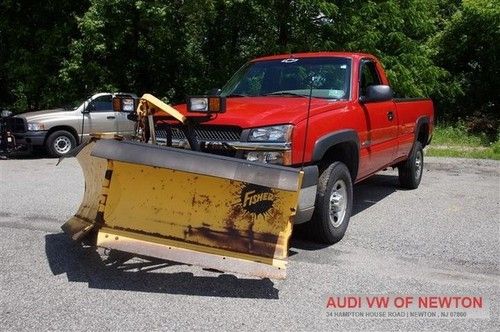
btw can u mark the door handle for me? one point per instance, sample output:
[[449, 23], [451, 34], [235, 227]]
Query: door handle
[[110, 117], [390, 115]]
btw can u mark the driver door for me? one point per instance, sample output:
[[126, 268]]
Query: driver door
[[102, 118], [381, 120]]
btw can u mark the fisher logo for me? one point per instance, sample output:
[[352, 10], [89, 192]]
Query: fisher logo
[[257, 199]]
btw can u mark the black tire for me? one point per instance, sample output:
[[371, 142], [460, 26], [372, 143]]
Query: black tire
[[411, 170], [324, 227], [59, 143]]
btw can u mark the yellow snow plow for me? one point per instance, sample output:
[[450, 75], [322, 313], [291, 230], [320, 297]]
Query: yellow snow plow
[[186, 206]]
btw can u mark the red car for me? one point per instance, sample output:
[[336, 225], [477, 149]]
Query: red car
[[332, 110]]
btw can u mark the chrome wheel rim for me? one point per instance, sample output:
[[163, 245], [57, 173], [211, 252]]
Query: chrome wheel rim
[[418, 165], [338, 203], [62, 144]]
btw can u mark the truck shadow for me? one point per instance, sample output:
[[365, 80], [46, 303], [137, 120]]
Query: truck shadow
[[122, 271], [366, 194], [34, 154], [372, 190]]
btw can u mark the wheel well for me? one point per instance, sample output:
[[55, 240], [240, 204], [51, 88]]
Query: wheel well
[[423, 134], [346, 152], [69, 129]]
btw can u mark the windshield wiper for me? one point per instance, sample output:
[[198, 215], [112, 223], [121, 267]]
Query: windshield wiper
[[236, 95], [280, 93]]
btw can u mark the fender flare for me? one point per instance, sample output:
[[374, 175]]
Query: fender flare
[[325, 142], [424, 120]]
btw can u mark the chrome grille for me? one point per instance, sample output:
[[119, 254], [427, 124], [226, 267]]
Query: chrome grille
[[204, 133]]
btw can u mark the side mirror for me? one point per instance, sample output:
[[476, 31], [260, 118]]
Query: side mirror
[[90, 108], [377, 93], [206, 104]]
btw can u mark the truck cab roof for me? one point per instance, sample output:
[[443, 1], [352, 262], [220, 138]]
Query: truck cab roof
[[314, 54]]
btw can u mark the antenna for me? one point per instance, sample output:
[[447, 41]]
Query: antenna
[[307, 121]]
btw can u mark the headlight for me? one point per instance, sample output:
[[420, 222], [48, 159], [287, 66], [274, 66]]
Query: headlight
[[198, 105], [33, 126], [271, 134]]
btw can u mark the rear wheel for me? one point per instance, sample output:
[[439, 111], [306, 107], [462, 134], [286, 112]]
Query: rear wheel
[[59, 143], [410, 171], [333, 204]]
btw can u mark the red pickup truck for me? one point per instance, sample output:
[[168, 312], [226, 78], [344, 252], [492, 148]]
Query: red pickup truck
[[332, 110]]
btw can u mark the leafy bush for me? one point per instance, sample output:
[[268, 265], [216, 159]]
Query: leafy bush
[[483, 124]]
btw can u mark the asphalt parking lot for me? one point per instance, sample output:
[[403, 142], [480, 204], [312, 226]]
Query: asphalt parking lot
[[442, 238]]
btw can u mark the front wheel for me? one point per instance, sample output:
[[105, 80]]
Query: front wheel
[[410, 171], [333, 204], [59, 143]]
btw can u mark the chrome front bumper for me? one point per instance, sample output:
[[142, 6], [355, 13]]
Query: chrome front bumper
[[243, 146]]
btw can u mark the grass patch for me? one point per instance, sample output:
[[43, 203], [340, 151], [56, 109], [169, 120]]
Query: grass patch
[[457, 135], [457, 153], [455, 141]]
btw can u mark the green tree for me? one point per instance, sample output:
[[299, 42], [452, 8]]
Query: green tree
[[468, 48], [58, 51], [33, 40], [398, 33], [140, 46]]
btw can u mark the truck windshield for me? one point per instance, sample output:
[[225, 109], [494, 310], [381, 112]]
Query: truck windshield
[[329, 78]]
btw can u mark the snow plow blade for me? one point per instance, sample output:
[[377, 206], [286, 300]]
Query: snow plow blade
[[196, 208]]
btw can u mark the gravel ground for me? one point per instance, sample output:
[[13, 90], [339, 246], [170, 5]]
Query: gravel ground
[[441, 239]]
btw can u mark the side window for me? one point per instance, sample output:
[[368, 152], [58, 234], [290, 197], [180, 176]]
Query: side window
[[369, 76], [103, 104]]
